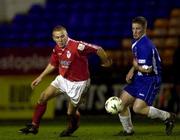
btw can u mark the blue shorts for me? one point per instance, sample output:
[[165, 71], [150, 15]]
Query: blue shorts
[[144, 87]]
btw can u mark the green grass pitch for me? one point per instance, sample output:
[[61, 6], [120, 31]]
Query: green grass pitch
[[91, 128]]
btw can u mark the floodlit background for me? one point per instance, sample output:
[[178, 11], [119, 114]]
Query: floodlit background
[[26, 44]]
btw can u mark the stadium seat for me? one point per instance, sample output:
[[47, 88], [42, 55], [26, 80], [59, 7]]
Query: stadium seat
[[159, 42], [175, 12], [126, 43], [160, 32], [167, 56], [174, 22], [174, 31], [100, 19], [161, 22], [172, 42]]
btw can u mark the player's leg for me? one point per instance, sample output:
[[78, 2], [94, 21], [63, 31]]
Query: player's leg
[[141, 107], [73, 120], [40, 109], [125, 115], [167, 117], [147, 89], [76, 92]]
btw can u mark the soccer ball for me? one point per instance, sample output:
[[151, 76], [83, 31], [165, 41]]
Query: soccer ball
[[113, 105]]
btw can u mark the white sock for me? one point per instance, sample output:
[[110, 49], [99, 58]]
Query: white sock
[[126, 122], [157, 113]]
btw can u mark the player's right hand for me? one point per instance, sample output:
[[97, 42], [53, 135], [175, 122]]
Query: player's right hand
[[129, 77], [35, 82], [128, 80]]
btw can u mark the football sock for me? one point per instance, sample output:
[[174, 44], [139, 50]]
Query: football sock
[[157, 113], [38, 113], [73, 120], [126, 122]]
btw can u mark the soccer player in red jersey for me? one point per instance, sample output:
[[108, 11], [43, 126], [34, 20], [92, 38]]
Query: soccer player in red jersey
[[70, 57]]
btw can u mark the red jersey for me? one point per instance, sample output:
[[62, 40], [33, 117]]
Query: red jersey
[[72, 60]]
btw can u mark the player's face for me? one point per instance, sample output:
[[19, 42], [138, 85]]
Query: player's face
[[60, 37], [137, 30]]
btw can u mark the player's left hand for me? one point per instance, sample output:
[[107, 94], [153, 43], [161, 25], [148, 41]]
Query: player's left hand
[[107, 63]]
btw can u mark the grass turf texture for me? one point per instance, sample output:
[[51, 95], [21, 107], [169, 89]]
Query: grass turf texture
[[91, 128]]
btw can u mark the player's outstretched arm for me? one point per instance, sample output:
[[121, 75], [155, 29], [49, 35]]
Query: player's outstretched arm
[[105, 60], [46, 71]]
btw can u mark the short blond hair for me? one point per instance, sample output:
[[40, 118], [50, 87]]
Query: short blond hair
[[59, 28], [140, 20]]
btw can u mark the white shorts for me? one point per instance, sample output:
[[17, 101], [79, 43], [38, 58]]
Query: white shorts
[[74, 90]]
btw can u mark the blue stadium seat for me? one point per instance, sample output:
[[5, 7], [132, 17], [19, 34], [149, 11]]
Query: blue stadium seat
[[89, 20]]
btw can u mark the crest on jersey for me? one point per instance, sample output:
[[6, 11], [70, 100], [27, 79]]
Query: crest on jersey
[[68, 54], [81, 47]]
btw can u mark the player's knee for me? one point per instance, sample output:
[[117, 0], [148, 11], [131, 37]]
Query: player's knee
[[43, 98], [41, 101], [137, 109]]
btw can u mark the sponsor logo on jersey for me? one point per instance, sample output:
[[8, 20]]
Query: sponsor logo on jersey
[[141, 61], [81, 47], [141, 94], [65, 63]]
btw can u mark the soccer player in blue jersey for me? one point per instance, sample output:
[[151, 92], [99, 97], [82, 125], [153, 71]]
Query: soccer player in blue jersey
[[144, 79]]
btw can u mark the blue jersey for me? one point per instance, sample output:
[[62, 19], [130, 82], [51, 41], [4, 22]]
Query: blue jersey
[[146, 54], [145, 86]]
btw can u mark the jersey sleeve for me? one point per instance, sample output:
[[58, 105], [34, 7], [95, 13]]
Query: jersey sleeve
[[54, 59], [86, 48], [144, 55]]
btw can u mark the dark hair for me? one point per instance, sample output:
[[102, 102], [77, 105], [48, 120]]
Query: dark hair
[[140, 20]]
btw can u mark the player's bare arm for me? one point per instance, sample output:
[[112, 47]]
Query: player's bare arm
[[130, 75], [46, 71], [144, 69], [105, 60]]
